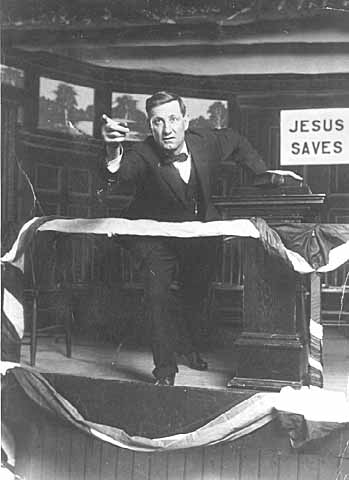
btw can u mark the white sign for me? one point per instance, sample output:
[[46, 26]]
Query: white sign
[[314, 137]]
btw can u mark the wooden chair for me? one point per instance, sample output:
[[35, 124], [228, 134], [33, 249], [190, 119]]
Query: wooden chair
[[335, 307], [55, 301]]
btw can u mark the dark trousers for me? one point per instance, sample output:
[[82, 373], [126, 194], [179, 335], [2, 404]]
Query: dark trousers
[[162, 260]]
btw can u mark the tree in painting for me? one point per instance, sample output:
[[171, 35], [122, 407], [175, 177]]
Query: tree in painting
[[218, 115], [66, 100], [66, 108], [125, 109]]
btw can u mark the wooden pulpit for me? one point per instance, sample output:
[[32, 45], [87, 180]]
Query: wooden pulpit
[[271, 350]]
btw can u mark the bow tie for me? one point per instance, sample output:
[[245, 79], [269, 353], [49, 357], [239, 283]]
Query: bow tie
[[168, 160]]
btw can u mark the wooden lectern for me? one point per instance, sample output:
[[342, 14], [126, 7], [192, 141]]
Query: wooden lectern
[[271, 350]]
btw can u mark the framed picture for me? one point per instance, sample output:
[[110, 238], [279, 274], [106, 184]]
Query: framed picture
[[207, 113], [12, 76], [66, 107], [130, 108]]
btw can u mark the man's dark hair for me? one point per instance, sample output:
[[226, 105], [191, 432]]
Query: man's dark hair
[[159, 98]]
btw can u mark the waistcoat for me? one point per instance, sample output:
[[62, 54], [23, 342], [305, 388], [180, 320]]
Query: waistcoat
[[193, 195]]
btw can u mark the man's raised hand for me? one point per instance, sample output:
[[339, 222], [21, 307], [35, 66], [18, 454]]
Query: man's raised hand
[[113, 132]]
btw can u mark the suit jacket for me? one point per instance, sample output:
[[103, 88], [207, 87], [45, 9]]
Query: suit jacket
[[158, 189]]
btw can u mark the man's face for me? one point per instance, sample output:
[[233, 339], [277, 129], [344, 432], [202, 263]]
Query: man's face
[[168, 126]]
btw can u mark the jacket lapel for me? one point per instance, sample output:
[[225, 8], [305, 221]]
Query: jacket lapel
[[199, 154], [167, 175], [171, 176]]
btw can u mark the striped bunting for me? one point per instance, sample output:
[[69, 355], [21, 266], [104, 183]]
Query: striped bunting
[[275, 241], [306, 414], [254, 228]]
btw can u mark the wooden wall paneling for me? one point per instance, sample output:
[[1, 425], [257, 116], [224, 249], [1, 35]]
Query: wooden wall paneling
[[250, 463], [125, 465], [231, 462], [288, 466], [250, 127], [93, 459], [273, 132], [79, 446], [48, 453], [13, 99], [43, 453], [63, 176], [48, 181], [109, 461], [234, 112], [319, 178], [63, 455], [194, 464], [260, 127], [264, 118], [269, 465], [342, 180], [80, 183], [260, 124], [274, 146], [328, 467], [31, 107], [8, 161], [244, 126], [64, 191], [175, 465], [158, 466], [308, 466], [337, 211], [36, 451], [141, 467], [212, 467]]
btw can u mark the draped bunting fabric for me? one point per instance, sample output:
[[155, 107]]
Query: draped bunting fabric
[[305, 248], [306, 414], [313, 241]]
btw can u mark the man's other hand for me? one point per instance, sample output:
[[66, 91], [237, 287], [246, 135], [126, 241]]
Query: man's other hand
[[286, 173]]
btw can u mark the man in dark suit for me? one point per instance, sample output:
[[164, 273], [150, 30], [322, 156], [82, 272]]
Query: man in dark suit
[[172, 171]]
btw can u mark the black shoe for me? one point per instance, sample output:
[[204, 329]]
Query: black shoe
[[195, 361], [165, 381]]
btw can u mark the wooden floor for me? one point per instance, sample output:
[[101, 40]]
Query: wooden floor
[[135, 364]]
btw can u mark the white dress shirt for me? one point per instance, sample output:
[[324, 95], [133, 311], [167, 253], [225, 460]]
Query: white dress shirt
[[184, 168]]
